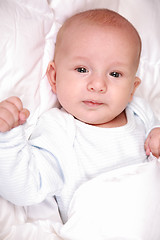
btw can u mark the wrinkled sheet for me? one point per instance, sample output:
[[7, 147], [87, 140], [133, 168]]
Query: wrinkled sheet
[[123, 204], [33, 223]]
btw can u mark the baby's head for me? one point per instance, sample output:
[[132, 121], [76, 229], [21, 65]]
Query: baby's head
[[99, 18], [95, 63]]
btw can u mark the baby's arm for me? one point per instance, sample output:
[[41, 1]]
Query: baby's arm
[[28, 171], [152, 143], [12, 114]]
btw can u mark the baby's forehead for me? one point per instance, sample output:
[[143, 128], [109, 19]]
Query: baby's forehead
[[104, 19], [99, 18]]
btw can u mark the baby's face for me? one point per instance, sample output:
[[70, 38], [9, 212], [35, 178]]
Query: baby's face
[[95, 73]]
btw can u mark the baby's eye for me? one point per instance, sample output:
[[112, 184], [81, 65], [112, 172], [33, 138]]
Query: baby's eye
[[115, 74], [81, 70]]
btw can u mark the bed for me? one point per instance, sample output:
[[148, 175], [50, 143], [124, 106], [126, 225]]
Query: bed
[[28, 32]]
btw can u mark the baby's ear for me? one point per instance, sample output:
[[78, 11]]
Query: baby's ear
[[51, 75], [137, 82]]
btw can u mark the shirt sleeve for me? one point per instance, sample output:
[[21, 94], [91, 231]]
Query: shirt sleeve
[[140, 107], [29, 171]]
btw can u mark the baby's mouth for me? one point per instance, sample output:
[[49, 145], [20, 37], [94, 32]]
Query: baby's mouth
[[92, 103]]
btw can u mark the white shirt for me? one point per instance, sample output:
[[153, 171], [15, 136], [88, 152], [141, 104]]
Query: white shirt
[[62, 153]]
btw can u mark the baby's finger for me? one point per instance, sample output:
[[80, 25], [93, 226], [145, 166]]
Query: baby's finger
[[7, 119], [13, 104], [154, 145], [23, 115], [146, 146], [16, 102], [148, 151], [4, 127]]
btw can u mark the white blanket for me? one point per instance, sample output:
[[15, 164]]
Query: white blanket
[[28, 31], [33, 223], [123, 204]]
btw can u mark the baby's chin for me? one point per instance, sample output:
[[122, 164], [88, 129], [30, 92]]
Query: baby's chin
[[96, 123], [105, 122]]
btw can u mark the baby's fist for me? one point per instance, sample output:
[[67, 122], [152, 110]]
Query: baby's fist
[[12, 113], [152, 143]]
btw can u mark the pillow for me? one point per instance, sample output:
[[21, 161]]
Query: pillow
[[144, 15], [121, 204], [28, 32]]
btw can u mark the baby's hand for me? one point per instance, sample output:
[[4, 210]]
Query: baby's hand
[[12, 114], [152, 143]]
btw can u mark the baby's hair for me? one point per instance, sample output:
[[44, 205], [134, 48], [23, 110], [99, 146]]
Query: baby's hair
[[99, 17]]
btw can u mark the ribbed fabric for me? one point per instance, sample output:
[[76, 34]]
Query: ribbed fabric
[[63, 153]]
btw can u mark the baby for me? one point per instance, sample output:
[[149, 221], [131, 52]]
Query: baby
[[101, 126]]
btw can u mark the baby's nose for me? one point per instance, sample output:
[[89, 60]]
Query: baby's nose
[[97, 85]]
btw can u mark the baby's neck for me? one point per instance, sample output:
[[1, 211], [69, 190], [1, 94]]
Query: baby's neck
[[118, 121]]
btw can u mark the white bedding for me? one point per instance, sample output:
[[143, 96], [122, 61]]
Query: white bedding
[[123, 204], [28, 32]]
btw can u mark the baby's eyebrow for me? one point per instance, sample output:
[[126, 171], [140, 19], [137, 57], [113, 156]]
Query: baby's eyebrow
[[81, 58], [119, 63]]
